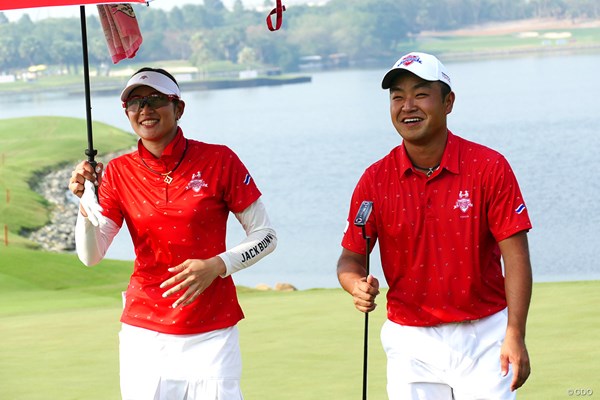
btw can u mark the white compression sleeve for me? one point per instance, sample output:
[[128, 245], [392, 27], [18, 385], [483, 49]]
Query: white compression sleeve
[[260, 239], [92, 242]]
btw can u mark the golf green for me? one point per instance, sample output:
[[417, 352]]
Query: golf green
[[59, 336]]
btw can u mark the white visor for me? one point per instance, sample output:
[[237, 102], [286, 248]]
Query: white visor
[[155, 80]]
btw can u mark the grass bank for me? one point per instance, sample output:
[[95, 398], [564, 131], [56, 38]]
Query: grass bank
[[31, 146], [523, 39]]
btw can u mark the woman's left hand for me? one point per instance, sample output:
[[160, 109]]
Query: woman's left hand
[[193, 275]]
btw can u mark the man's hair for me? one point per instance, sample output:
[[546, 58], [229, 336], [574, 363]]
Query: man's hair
[[445, 89]]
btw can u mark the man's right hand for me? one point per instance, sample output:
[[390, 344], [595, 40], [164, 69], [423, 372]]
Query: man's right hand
[[364, 293]]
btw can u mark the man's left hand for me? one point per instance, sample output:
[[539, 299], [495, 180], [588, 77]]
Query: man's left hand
[[515, 353]]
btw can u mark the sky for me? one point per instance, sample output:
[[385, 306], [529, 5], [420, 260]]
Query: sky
[[73, 11]]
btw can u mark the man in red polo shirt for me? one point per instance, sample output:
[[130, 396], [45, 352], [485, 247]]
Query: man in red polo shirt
[[445, 211]]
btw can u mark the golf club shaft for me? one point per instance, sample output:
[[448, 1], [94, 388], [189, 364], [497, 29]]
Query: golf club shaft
[[362, 216], [366, 336]]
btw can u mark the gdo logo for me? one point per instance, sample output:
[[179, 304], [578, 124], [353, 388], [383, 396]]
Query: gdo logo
[[581, 392]]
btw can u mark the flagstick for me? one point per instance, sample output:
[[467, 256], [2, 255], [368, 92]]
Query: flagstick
[[90, 152]]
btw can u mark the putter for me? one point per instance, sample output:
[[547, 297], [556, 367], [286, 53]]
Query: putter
[[362, 216]]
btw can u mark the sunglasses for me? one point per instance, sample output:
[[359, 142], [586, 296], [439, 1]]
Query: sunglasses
[[154, 101]]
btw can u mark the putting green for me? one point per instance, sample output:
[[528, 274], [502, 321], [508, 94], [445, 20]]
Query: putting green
[[62, 343]]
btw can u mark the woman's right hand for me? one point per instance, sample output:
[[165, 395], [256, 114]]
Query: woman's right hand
[[83, 181], [84, 171]]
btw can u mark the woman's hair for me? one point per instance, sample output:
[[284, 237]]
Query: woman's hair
[[160, 71]]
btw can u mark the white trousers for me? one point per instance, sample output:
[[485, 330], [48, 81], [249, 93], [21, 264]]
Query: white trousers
[[158, 366], [459, 361]]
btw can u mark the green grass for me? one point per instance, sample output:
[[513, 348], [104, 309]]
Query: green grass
[[59, 325], [59, 319], [501, 44], [31, 145], [73, 82]]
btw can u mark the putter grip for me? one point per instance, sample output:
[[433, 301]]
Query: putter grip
[[364, 211]]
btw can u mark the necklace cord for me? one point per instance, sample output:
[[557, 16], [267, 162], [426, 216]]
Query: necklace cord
[[428, 171], [167, 176]]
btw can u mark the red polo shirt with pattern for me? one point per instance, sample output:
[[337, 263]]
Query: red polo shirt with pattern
[[438, 236], [171, 223]]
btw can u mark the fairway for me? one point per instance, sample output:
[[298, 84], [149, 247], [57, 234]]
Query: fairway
[[62, 343]]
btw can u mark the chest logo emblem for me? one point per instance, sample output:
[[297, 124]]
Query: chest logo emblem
[[197, 183], [464, 202]]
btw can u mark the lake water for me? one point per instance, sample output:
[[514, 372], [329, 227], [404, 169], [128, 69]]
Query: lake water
[[306, 145]]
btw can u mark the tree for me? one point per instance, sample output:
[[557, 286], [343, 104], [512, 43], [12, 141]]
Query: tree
[[361, 29], [178, 44], [312, 34], [275, 50], [247, 57], [216, 12], [31, 50], [8, 49]]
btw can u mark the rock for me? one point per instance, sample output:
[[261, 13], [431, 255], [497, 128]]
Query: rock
[[263, 287], [285, 287]]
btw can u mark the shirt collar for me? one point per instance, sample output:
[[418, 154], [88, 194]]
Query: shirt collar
[[449, 158], [173, 150]]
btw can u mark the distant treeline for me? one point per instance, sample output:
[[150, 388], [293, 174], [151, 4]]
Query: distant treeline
[[209, 35]]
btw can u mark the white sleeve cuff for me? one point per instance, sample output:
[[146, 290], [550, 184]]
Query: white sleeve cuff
[[92, 242], [260, 239]]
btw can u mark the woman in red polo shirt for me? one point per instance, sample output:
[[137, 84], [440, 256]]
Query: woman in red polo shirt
[[179, 337]]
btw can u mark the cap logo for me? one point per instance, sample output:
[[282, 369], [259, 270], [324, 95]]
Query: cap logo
[[144, 77], [446, 77], [409, 59]]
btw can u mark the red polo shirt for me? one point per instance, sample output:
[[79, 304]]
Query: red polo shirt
[[438, 236], [170, 223]]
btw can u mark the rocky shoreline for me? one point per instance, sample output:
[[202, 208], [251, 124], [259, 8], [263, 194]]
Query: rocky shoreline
[[59, 234]]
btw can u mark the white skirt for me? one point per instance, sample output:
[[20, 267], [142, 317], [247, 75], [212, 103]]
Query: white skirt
[[158, 366]]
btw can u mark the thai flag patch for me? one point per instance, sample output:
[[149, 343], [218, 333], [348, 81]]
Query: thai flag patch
[[247, 179], [520, 209]]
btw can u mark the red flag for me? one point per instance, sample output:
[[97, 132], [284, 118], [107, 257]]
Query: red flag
[[121, 29], [278, 12]]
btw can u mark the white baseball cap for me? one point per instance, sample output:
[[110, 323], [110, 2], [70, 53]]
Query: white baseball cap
[[155, 80], [423, 65]]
